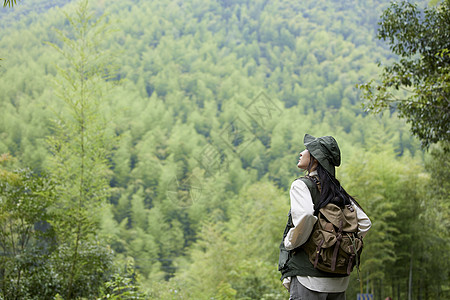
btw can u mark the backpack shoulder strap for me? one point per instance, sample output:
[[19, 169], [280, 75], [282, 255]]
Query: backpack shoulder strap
[[313, 185]]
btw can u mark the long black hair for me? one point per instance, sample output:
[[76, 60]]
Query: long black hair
[[331, 191]]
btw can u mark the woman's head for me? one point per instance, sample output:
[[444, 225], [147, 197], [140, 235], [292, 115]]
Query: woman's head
[[306, 161], [325, 150], [323, 154]]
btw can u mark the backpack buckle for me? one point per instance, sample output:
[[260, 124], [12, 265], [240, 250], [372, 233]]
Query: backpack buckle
[[350, 207]]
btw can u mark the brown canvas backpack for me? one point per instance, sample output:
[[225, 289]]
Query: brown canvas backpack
[[334, 245]]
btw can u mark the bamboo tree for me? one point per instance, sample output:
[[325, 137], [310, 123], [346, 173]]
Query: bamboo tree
[[80, 147]]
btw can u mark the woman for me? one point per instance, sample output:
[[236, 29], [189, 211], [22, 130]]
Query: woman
[[299, 276]]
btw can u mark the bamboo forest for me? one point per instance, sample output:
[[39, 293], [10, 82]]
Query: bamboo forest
[[147, 148]]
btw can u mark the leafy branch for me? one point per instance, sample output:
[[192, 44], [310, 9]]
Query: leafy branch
[[9, 3]]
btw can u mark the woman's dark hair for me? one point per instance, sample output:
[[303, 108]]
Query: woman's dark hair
[[331, 191]]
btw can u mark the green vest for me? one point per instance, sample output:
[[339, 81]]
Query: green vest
[[296, 262]]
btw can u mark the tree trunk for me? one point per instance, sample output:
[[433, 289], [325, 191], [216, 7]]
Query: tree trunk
[[367, 284], [420, 290], [410, 278]]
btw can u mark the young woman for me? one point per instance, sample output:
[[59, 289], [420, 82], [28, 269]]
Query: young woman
[[299, 276]]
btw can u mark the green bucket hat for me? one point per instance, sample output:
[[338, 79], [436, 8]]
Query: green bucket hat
[[326, 150]]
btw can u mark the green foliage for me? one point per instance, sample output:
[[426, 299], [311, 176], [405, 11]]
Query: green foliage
[[418, 84], [123, 285], [26, 239], [436, 219], [93, 266], [230, 254], [35, 261]]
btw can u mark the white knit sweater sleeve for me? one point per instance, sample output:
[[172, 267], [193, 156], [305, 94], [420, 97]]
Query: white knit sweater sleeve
[[302, 209], [364, 223]]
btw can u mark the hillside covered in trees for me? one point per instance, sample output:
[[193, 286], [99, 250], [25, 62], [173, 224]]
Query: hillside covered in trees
[[162, 136]]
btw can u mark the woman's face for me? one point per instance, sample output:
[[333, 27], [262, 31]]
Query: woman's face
[[303, 160]]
